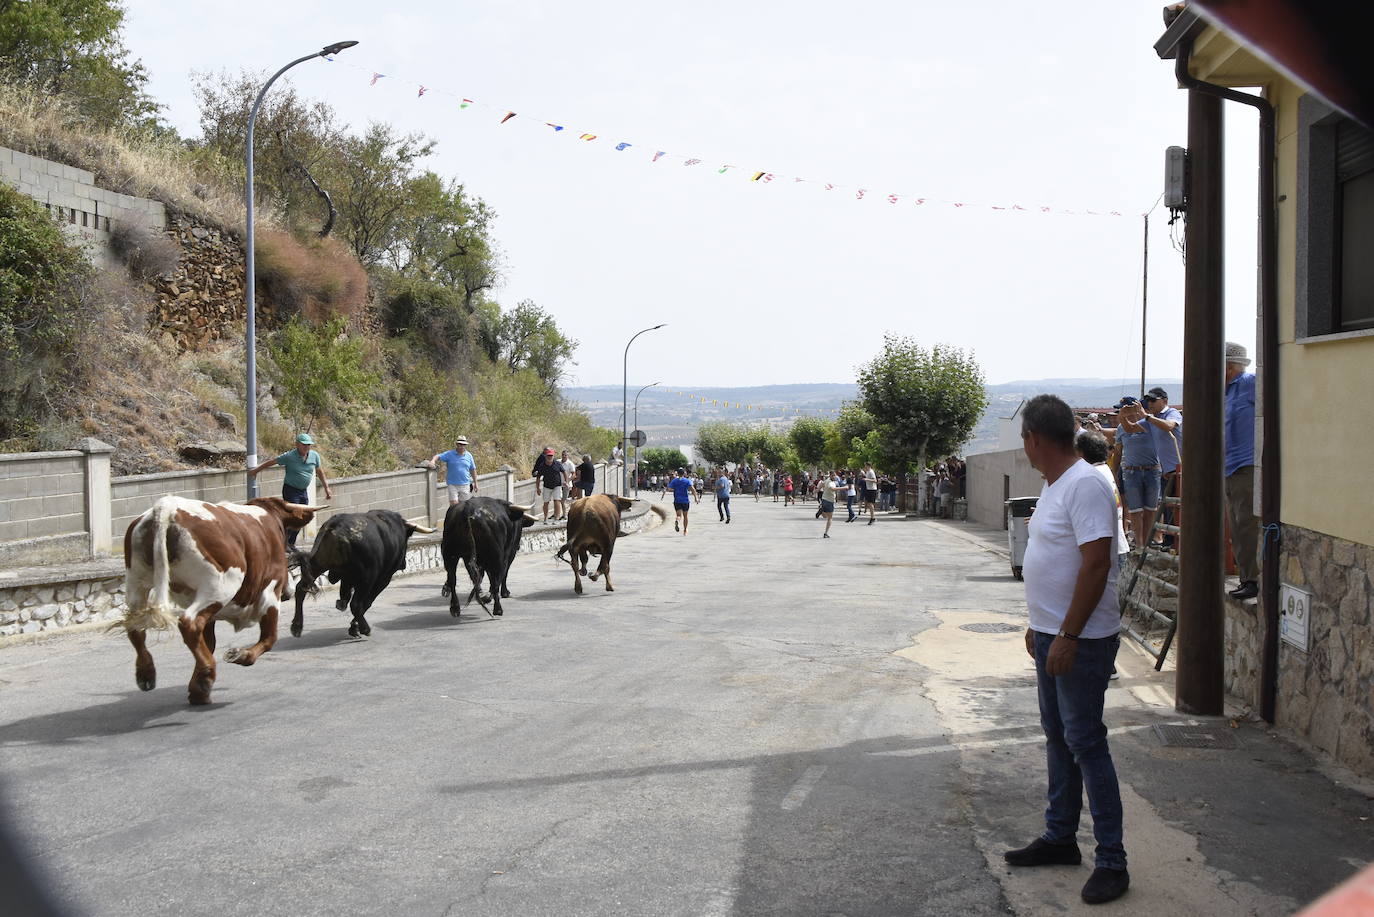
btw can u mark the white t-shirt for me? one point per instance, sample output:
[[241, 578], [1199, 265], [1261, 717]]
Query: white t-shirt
[[870, 479], [1122, 545], [1077, 508]]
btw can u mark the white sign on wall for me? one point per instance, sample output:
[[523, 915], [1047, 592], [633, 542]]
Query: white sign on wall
[[1294, 613]]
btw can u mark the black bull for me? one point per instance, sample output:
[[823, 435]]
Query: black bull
[[363, 550], [484, 533]]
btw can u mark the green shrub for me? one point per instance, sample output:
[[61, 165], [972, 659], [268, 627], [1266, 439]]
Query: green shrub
[[321, 370], [44, 285]]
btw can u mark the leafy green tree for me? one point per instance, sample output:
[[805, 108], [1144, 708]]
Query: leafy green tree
[[432, 316], [446, 236], [375, 172], [321, 369], [661, 460], [74, 47], [853, 422], [297, 142], [925, 402], [808, 440], [43, 280], [529, 339]]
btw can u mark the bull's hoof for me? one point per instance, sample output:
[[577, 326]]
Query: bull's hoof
[[239, 656], [577, 588], [146, 682], [593, 576], [296, 629], [353, 629], [445, 591], [483, 599], [197, 699], [496, 612], [341, 605], [365, 630], [455, 612], [505, 593]]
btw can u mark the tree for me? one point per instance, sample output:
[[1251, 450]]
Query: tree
[[925, 402], [661, 461], [321, 369], [529, 339], [74, 47], [375, 171], [43, 284], [808, 440], [852, 423]]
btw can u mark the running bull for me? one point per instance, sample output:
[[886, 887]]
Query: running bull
[[362, 551], [593, 527], [484, 533], [189, 563]]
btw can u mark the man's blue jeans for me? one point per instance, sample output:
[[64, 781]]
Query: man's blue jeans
[[294, 495], [1076, 747], [849, 504]]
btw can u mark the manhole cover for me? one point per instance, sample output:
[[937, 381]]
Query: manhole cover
[[1176, 735], [990, 627]]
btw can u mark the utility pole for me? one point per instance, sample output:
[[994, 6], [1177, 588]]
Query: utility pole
[[1201, 613]]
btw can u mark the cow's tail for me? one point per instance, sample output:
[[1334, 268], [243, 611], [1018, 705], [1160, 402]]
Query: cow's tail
[[299, 561], [157, 611]]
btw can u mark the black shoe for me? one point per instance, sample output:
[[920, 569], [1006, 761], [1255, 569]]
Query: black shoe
[[871, 521], [825, 534], [1106, 885], [727, 520], [1248, 590], [1041, 852], [676, 526]]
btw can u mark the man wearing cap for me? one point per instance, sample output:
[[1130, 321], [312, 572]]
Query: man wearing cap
[[302, 464], [549, 480], [1139, 466], [1166, 426], [460, 471], [1240, 470]]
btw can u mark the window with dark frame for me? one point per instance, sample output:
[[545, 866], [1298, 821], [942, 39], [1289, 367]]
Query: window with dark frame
[[1354, 224], [1335, 223]]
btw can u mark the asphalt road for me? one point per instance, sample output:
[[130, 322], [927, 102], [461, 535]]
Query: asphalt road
[[729, 732]]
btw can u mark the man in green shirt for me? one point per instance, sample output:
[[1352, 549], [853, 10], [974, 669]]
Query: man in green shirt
[[302, 464]]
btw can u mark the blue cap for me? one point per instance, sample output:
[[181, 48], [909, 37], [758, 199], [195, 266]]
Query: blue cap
[[305, 440], [1125, 400]]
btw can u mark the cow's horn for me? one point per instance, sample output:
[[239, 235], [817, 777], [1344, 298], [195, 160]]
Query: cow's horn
[[523, 509], [424, 530], [531, 518], [322, 506]]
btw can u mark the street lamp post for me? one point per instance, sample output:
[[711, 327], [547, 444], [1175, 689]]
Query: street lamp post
[[625, 403], [637, 394], [250, 275]]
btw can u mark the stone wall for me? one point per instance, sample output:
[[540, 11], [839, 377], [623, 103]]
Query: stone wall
[[986, 484], [71, 196], [1327, 694]]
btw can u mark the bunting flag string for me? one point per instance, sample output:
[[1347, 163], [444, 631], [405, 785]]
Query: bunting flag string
[[758, 176]]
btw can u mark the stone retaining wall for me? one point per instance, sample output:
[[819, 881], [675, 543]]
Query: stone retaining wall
[[1326, 695]]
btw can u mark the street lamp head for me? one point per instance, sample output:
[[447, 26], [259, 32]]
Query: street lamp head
[[336, 47], [656, 327]]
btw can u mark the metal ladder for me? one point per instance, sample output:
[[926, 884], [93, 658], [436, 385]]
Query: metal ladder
[[1143, 618]]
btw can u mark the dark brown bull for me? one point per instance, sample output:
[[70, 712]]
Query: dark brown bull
[[593, 527]]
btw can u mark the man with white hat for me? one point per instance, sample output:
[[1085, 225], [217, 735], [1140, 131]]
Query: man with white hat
[[460, 471], [1240, 470]]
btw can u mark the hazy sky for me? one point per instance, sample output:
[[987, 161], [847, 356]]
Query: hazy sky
[[986, 103]]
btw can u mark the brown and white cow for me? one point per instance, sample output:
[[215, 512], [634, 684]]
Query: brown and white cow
[[189, 563], [593, 527]]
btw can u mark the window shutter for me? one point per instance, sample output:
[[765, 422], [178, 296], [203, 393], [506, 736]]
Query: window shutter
[[1354, 150]]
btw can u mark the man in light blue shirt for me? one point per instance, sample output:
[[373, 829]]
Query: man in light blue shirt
[[1166, 426], [460, 471], [1139, 467], [723, 496], [1240, 470]]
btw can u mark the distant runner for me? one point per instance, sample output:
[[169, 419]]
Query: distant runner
[[682, 499], [723, 497]]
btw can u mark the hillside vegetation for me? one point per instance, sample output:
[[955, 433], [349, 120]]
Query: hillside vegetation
[[381, 330]]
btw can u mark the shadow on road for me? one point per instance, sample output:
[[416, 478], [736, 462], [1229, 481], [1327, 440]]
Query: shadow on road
[[132, 711]]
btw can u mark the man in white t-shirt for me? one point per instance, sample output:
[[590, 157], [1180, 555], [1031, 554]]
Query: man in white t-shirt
[[1074, 619]]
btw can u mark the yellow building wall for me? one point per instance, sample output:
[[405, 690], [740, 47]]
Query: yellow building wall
[[1326, 447]]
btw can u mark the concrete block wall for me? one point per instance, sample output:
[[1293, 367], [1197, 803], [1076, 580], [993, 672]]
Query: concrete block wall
[[42, 494], [989, 474], [132, 495], [403, 491], [86, 211]]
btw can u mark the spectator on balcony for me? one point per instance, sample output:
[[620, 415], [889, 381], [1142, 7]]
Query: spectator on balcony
[[1166, 427], [1139, 467]]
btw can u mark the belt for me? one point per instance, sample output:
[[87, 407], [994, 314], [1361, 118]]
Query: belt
[[1138, 467]]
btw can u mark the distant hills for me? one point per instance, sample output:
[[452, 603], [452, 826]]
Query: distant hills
[[671, 419]]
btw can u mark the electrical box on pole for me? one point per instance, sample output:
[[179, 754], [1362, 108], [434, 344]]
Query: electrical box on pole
[[1176, 178]]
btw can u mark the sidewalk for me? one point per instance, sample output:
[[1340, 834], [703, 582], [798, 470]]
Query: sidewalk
[[1262, 828]]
